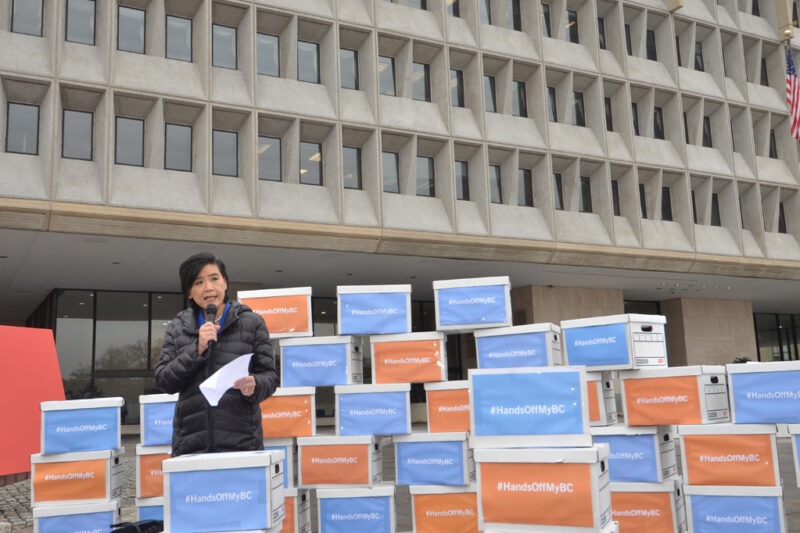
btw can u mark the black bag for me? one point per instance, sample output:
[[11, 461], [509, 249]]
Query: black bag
[[142, 526]]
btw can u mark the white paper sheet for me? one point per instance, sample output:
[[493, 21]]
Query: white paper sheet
[[223, 379]]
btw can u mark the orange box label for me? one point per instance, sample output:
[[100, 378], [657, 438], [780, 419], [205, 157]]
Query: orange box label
[[642, 512], [729, 460], [537, 493], [448, 410], [73, 480], [408, 361], [151, 477], [282, 314], [287, 416], [445, 513], [339, 464], [663, 401], [288, 519], [594, 401]]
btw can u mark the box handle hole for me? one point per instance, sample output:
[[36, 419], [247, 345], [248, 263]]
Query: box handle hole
[[647, 329], [714, 379]]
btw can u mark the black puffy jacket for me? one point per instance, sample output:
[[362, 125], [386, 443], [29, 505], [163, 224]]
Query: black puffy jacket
[[235, 424]]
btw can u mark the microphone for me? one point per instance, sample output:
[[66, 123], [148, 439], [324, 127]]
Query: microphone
[[211, 316]]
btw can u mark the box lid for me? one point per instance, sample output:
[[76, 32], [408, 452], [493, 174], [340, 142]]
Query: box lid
[[304, 341], [295, 391], [527, 370], [384, 489], [471, 282], [280, 441], [448, 385], [378, 289], [76, 456], [589, 454], [141, 449], [794, 429], [221, 461], [158, 398], [267, 293], [598, 376], [379, 387], [715, 490], [668, 485], [443, 489], [612, 319], [79, 508], [148, 502], [402, 337], [432, 437], [517, 330], [93, 403], [292, 492], [328, 440], [752, 366], [672, 372], [622, 429], [728, 429]]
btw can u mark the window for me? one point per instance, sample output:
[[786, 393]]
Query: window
[[685, 128], [698, 57], [795, 18], [773, 145], [615, 198], [351, 167], [386, 75], [457, 87], [269, 158], [223, 46], [558, 191], [225, 153], [658, 123], [694, 208], [579, 118], [22, 134], [178, 147], [519, 102], [707, 132], [678, 49], [80, 21], [348, 62], [609, 115], [666, 204], [462, 180], [308, 61], [26, 17], [426, 183], [546, 20], [419, 4], [601, 32], [489, 96], [756, 9], [452, 8], [130, 141], [585, 205], [513, 15], [76, 135], [130, 29], [310, 163], [781, 219], [421, 81], [764, 73], [269, 54], [628, 44], [572, 26], [635, 114], [524, 187], [179, 38], [495, 184], [715, 217], [642, 200], [485, 11], [652, 54], [552, 108], [390, 163]]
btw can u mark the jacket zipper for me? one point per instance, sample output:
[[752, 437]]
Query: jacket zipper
[[209, 409]]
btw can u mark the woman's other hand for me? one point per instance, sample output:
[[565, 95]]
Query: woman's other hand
[[208, 332], [247, 385]]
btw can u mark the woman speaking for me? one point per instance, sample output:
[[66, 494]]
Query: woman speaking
[[195, 348]]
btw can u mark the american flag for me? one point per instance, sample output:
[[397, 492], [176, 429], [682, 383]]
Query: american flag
[[793, 93]]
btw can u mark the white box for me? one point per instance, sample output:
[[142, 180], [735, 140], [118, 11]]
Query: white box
[[289, 448], [150, 508], [192, 484], [373, 409], [156, 412], [765, 393], [759, 509], [83, 517], [613, 527], [730, 454], [76, 478], [531, 345], [286, 312], [643, 454], [363, 509], [444, 508], [289, 412], [602, 399], [673, 396], [298, 511], [329, 462], [615, 342], [409, 357], [433, 459], [321, 361], [544, 489], [149, 470], [448, 406], [651, 507], [373, 309], [464, 305], [81, 425]]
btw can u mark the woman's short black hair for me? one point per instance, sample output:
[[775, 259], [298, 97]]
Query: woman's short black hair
[[190, 269]]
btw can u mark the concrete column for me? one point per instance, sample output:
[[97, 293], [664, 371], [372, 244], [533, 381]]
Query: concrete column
[[537, 304]]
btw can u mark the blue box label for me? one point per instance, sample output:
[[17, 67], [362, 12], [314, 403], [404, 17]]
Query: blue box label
[[81, 430], [631, 458], [355, 515], [462, 306], [515, 350], [285, 450], [77, 523], [530, 403], [735, 514], [430, 463], [373, 313], [597, 345], [151, 512], [373, 413], [766, 397], [218, 500], [314, 365], [157, 423]]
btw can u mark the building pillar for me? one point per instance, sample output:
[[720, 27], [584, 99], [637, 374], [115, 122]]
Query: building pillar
[[539, 303]]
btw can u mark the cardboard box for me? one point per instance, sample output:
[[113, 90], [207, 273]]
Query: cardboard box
[[289, 448], [286, 312], [519, 346], [327, 462], [543, 406], [81, 425], [373, 409], [734, 509], [76, 478], [156, 412], [673, 396], [794, 432], [544, 489], [650, 507], [765, 393], [230, 491], [289, 412], [373, 309], [433, 459], [464, 305], [602, 399], [149, 470], [365, 509], [638, 454], [409, 357], [82, 517], [448, 406], [150, 508], [615, 342], [298, 511], [730, 454], [436, 508], [321, 361]]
